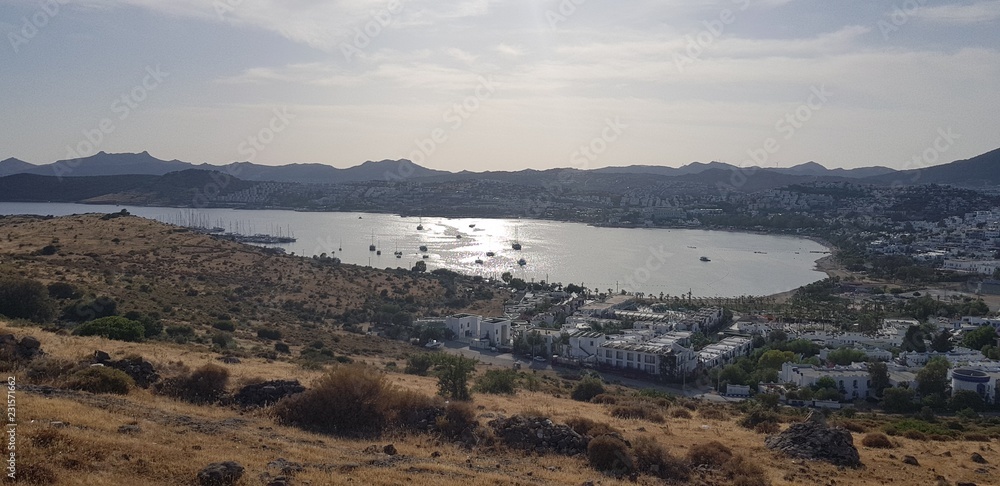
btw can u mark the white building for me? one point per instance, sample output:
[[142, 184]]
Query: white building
[[724, 352], [981, 381], [982, 267], [656, 357], [465, 326], [583, 345], [852, 380], [496, 330], [957, 356]]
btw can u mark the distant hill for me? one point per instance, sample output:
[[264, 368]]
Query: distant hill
[[981, 170], [173, 189], [105, 164], [806, 169], [14, 166]]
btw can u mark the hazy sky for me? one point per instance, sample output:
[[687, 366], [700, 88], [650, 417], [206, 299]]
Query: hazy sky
[[502, 85]]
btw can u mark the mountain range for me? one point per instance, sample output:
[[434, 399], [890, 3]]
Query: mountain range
[[982, 170]]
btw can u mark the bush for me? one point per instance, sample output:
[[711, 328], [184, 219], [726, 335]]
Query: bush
[[453, 376], [117, 328], [48, 368], [418, 364], [497, 382], [354, 401], [184, 331], [877, 441], [100, 379], [852, 426], [21, 298], [638, 410], [587, 389], [915, 435], [609, 454], [712, 454], [976, 437], [767, 428], [586, 426], [680, 413], [282, 348], [63, 290], [224, 326], [458, 417], [653, 458], [604, 399], [204, 385], [742, 472], [88, 310], [712, 414], [223, 340], [266, 333], [758, 416]]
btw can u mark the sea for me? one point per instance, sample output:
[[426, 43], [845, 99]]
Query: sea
[[648, 260]]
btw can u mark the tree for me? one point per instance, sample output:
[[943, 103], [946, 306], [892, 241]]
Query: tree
[[845, 356], [978, 338], [941, 342], [453, 376], [932, 379], [878, 374], [733, 374], [773, 359], [777, 336], [419, 267], [964, 399], [506, 277], [21, 298], [898, 400], [913, 340], [825, 382]]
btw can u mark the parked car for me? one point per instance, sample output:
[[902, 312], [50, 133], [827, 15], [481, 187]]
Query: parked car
[[539, 359]]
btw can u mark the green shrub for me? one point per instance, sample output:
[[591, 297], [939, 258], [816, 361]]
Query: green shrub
[[223, 340], [587, 389], [267, 333], [62, 290], [100, 379], [609, 454], [711, 454], [915, 435], [740, 471], [458, 417], [758, 416], [115, 327], [21, 298], [88, 310], [604, 399], [418, 364], [181, 330], [497, 382], [877, 441], [228, 326]]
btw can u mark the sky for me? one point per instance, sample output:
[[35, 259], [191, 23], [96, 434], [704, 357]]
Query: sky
[[502, 85]]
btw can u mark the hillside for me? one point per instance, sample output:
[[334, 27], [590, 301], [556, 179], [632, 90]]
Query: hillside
[[156, 436], [979, 171]]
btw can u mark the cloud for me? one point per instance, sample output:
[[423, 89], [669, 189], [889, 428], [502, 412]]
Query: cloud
[[974, 13]]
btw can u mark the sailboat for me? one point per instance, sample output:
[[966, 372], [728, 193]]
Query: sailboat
[[371, 247], [516, 244], [420, 226]]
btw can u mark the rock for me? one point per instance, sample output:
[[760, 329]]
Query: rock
[[287, 468], [910, 460], [141, 371], [220, 474], [267, 393], [230, 360], [978, 458], [539, 435], [129, 429], [436, 454], [813, 439], [372, 449], [946, 454], [389, 449], [965, 484], [27, 349], [57, 424]]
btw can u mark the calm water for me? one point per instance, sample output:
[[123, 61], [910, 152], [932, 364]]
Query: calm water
[[642, 260]]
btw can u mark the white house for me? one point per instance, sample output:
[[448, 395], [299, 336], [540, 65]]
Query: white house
[[465, 326], [658, 358], [496, 330], [724, 352], [853, 380], [583, 345]]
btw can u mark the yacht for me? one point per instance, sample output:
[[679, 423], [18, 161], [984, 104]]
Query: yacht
[[522, 262], [490, 253], [423, 247], [479, 261], [704, 259], [420, 226]]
